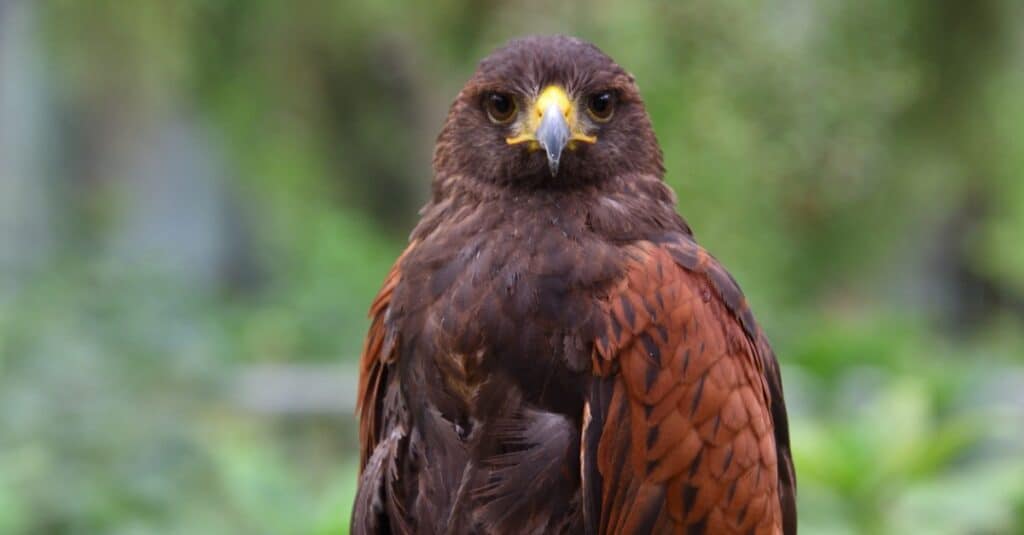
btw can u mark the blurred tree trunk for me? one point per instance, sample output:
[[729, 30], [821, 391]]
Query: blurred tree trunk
[[25, 210], [961, 47]]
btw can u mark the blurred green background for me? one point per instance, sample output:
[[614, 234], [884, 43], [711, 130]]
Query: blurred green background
[[199, 199]]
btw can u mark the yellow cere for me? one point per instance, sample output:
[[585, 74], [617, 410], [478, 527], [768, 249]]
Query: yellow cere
[[551, 94]]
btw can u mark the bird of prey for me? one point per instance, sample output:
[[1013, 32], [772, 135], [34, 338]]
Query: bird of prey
[[553, 352]]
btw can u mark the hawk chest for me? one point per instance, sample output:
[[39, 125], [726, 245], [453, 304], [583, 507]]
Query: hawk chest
[[515, 308]]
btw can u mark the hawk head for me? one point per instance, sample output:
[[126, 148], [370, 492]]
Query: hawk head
[[548, 112]]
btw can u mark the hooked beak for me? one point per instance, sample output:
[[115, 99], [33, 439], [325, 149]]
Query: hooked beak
[[553, 134], [552, 125]]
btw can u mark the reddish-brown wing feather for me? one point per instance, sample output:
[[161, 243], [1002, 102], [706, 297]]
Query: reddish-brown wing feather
[[378, 353], [678, 433]]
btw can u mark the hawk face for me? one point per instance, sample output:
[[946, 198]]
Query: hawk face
[[547, 112]]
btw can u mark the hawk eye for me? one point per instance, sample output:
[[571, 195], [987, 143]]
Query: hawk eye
[[501, 108], [601, 105]]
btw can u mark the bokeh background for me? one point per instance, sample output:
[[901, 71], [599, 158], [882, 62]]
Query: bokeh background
[[199, 199]]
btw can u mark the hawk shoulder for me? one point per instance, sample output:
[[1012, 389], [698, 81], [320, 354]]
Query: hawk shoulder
[[684, 425]]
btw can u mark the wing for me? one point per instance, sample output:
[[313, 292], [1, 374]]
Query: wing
[[378, 355], [381, 414], [684, 424]]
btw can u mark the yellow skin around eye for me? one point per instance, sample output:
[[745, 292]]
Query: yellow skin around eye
[[555, 95]]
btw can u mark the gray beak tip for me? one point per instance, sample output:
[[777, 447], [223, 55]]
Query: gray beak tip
[[553, 165]]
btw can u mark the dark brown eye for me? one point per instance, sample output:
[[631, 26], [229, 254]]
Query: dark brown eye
[[501, 108], [601, 105]]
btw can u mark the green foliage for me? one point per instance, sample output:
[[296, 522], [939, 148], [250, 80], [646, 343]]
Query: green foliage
[[856, 165]]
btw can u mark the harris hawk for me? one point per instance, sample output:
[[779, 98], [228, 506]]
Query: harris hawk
[[553, 352]]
